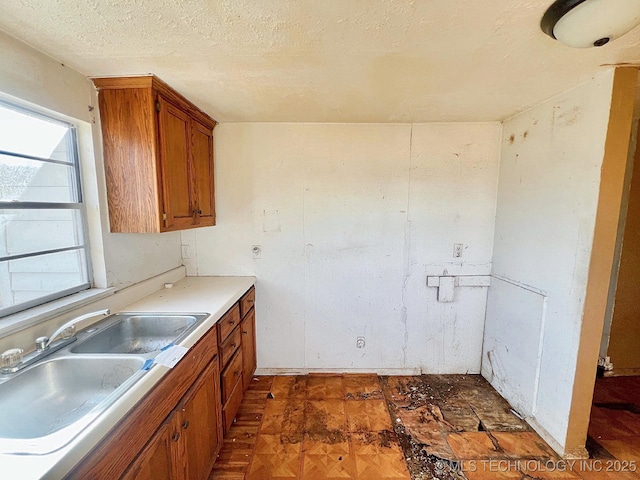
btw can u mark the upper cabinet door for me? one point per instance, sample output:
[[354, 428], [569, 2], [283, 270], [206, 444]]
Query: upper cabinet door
[[158, 156], [202, 158], [174, 127]]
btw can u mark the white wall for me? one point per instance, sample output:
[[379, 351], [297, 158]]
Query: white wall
[[350, 220], [547, 198], [30, 76]]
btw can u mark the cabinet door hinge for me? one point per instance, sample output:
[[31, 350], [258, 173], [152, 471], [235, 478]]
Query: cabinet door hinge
[[158, 106], [164, 217]]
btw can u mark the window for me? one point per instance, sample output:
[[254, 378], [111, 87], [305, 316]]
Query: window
[[43, 255]]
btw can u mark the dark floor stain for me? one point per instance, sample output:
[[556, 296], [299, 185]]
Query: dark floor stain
[[363, 395], [316, 428], [382, 439], [292, 424], [627, 407]]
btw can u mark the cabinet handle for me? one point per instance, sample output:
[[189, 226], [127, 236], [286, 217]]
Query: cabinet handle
[[175, 437], [185, 424], [246, 332], [232, 322], [233, 345], [236, 373]]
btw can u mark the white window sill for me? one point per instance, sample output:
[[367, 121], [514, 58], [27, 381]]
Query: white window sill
[[27, 318]]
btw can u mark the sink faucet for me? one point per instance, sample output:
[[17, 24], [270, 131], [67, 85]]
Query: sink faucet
[[14, 359], [68, 330]]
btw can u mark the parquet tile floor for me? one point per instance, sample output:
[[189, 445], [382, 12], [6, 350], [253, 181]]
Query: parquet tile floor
[[367, 427]]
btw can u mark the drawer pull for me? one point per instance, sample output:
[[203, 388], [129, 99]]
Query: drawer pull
[[246, 332], [185, 424], [175, 437]]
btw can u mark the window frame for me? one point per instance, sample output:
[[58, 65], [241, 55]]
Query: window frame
[[79, 205]]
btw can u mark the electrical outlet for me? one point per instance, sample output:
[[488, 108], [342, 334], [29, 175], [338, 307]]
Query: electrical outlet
[[186, 252], [360, 342], [457, 250]]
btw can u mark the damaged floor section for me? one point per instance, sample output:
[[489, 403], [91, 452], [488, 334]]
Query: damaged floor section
[[395, 428]]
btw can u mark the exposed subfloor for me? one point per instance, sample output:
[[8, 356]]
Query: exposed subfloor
[[395, 428]]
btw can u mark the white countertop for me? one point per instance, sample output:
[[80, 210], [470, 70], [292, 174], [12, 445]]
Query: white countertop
[[214, 295]]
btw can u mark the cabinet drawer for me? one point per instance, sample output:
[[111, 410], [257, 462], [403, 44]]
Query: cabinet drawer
[[228, 322], [229, 347], [231, 407], [246, 302], [230, 375]]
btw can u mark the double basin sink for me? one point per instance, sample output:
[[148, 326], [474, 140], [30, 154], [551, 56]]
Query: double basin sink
[[48, 404]]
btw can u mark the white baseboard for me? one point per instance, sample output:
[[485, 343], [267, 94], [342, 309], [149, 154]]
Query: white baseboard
[[575, 454], [306, 371]]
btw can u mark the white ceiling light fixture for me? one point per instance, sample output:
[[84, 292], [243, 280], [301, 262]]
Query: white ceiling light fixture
[[590, 23]]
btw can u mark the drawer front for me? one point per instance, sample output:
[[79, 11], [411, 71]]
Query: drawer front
[[230, 375], [231, 407], [246, 302], [229, 347], [228, 322]]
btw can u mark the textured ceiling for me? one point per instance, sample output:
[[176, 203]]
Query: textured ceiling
[[322, 61]]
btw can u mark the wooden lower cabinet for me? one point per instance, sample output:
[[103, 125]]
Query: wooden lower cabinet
[[197, 427], [186, 445], [176, 431], [154, 462]]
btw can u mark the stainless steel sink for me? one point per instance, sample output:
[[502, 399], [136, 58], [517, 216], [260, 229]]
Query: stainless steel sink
[[140, 333], [43, 407]]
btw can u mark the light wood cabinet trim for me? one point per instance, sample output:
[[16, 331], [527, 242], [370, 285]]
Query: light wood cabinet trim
[[249, 354], [115, 83], [151, 81]]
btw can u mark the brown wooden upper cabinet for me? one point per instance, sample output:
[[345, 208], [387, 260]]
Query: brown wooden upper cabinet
[[158, 156]]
